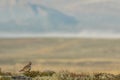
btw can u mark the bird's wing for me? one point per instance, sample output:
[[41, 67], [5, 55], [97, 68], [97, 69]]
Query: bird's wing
[[25, 67]]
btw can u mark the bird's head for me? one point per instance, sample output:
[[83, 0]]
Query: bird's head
[[30, 63]]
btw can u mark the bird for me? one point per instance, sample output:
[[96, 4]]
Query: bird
[[26, 68]]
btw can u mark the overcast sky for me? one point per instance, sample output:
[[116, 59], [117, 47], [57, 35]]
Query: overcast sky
[[91, 15]]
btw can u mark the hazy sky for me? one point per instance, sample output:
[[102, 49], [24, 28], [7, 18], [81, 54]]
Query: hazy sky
[[60, 16]]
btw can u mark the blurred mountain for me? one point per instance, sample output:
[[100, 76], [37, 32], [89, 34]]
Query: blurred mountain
[[77, 18], [34, 18]]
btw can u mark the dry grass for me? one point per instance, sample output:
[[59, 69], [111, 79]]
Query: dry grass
[[81, 55]]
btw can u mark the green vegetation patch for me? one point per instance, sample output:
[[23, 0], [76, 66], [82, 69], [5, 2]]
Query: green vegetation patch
[[65, 75]]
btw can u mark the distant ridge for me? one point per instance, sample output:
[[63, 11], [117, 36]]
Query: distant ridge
[[34, 18], [61, 35]]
